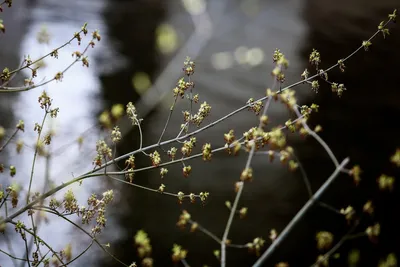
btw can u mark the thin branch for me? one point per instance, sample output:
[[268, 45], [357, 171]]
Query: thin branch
[[304, 175], [150, 189], [43, 57], [240, 190], [94, 239], [27, 251], [12, 256], [9, 140], [338, 245], [300, 214], [185, 263], [34, 157], [27, 88], [205, 231], [94, 174], [41, 240], [171, 110]]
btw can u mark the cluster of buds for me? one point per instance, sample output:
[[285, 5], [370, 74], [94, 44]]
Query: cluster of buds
[[96, 209], [178, 253], [285, 154], [5, 74], [315, 58], [277, 139], [13, 192], [48, 137], [306, 110], [189, 66], [59, 76], [142, 241], [155, 158], [116, 135], [341, 65], [70, 203], [207, 152], [44, 101], [231, 143], [323, 74], [172, 152], [13, 171], [368, 207], [287, 98], [255, 106], [54, 53], [273, 234], [338, 88], [203, 196], [181, 87], [229, 137], [280, 61], [355, 172], [324, 240], [203, 112], [290, 125], [255, 137], [395, 158], [349, 213], [188, 146], [315, 86], [103, 152], [272, 94], [256, 245], [304, 75], [186, 170], [130, 164], [184, 219], [373, 232], [132, 114], [385, 182], [247, 174], [161, 188], [243, 212], [163, 172], [20, 228], [366, 44]]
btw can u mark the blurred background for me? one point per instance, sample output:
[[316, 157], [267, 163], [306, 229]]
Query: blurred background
[[140, 58]]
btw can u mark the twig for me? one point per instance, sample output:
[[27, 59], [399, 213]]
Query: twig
[[27, 251], [205, 231], [185, 263], [300, 214], [12, 256], [94, 239], [240, 190], [34, 157], [338, 245], [171, 110], [27, 88], [42, 241], [9, 140]]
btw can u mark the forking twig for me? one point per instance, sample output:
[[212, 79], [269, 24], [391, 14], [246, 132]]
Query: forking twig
[[300, 214]]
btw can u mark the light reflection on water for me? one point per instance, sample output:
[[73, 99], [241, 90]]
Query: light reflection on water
[[75, 96]]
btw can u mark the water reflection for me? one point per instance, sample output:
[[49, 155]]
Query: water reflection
[[77, 98]]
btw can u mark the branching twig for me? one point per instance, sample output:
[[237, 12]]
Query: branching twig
[[300, 214]]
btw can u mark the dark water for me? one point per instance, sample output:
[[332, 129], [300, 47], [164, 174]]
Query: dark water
[[226, 80]]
